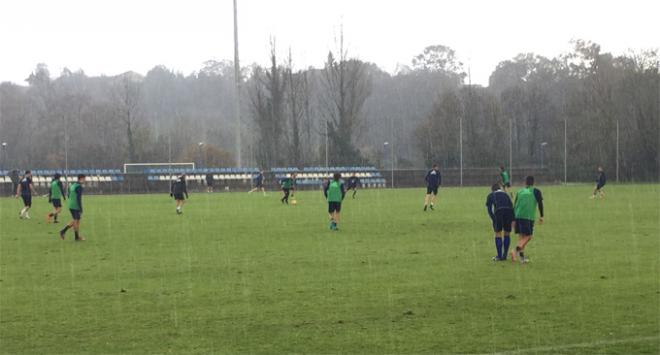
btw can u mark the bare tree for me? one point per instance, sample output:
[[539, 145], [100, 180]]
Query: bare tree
[[268, 104], [347, 85], [297, 93], [127, 97]]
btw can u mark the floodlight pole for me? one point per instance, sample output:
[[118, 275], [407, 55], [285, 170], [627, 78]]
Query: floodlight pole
[[460, 123], [4, 144], [565, 150], [169, 154], [237, 89], [392, 147], [542, 151], [66, 148], [4, 154], [200, 145], [510, 148], [326, 145], [460, 139], [617, 151]]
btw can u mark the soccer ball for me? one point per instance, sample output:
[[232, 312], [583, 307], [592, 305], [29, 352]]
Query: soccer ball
[[294, 202]]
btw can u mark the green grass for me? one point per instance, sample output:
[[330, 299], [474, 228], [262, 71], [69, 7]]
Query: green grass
[[240, 273]]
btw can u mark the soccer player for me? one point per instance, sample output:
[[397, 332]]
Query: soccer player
[[55, 196], [500, 210], [177, 191], [600, 183], [334, 192], [353, 183], [209, 182], [288, 185], [25, 189], [75, 206], [524, 209], [258, 183], [506, 179], [433, 181]]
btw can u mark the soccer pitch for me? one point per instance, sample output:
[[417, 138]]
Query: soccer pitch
[[242, 273]]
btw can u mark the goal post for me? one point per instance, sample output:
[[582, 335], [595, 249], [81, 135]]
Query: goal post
[[143, 168]]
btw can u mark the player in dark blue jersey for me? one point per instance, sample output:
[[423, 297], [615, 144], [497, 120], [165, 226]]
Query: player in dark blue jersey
[[209, 182], [601, 180], [433, 182], [25, 190], [500, 210], [353, 183], [258, 183]]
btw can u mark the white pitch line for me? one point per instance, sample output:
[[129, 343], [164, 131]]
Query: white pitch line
[[579, 345]]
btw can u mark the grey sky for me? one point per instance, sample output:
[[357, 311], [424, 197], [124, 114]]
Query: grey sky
[[110, 37]]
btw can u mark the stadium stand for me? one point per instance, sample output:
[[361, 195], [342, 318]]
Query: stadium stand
[[99, 180], [369, 176], [158, 180], [199, 175], [42, 177]]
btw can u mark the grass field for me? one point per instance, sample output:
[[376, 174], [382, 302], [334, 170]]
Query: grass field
[[241, 273]]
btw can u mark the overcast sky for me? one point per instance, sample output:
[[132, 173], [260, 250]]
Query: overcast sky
[[113, 36]]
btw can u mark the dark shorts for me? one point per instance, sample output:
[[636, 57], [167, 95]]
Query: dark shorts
[[432, 190], [57, 203], [27, 200], [503, 220], [286, 191], [334, 207], [524, 226], [599, 186], [209, 183], [351, 187], [76, 215], [259, 185], [507, 184], [179, 197]]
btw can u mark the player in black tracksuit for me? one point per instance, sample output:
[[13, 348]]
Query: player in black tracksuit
[[178, 190], [25, 190], [433, 182], [258, 183], [209, 182], [601, 180], [353, 183]]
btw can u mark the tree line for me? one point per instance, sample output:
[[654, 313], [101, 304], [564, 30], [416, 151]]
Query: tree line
[[588, 106]]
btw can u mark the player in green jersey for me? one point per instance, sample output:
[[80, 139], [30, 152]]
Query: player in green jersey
[[506, 179], [524, 209], [334, 192], [75, 206], [288, 185], [55, 196]]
